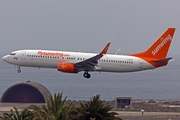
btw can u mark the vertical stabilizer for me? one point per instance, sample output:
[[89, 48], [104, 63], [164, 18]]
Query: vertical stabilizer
[[160, 48]]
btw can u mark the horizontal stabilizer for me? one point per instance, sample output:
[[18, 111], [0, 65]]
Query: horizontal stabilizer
[[162, 60]]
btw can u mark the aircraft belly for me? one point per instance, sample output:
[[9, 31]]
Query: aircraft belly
[[116, 68]]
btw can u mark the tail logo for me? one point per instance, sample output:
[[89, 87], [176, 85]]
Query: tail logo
[[164, 41]]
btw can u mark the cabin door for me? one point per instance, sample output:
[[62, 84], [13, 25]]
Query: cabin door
[[23, 55]]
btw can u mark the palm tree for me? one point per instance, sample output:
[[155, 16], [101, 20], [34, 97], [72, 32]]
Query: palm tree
[[17, 115], [93, 110], [54, 110]]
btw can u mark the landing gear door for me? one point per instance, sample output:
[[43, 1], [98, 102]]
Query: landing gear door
[[23, 55]]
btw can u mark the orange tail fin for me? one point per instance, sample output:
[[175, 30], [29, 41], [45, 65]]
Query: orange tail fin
[[160, 48]]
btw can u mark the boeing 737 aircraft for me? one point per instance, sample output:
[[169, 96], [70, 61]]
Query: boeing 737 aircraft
[[74, 62]]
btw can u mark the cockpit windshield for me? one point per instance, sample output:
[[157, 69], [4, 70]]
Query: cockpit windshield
[[13, 54]]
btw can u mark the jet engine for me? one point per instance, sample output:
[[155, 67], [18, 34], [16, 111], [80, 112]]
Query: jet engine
[[66, 67]]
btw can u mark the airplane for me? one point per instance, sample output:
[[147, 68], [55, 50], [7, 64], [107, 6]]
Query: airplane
[[75, 62]]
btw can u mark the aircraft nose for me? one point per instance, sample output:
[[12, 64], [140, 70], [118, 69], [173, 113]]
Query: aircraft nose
[[5, 58]]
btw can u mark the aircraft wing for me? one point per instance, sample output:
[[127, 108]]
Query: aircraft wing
[[91, 63]]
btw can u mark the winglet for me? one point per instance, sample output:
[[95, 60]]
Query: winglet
[[104, 51], [118, 52]]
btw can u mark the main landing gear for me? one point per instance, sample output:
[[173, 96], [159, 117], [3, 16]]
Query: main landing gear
[[86, 74], [19, 70]]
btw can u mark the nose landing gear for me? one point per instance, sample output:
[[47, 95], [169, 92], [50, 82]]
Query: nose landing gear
[[19, 70], [86, 74]]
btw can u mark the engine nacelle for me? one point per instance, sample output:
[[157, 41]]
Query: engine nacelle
[[66, 67]]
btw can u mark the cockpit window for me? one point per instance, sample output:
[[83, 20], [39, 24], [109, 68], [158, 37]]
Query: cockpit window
[[13, 54]]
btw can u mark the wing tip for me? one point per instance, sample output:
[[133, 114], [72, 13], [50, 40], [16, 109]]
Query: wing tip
[[104, 51]]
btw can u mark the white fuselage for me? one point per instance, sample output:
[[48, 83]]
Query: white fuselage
[[50, 59], [74, 62]]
